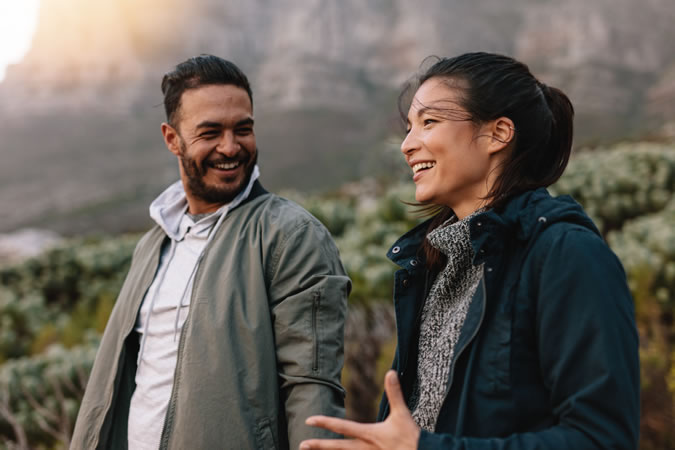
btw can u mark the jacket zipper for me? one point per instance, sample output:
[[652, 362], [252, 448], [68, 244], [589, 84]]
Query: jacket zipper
[[315, 332], [126, 333], [468, 341], [418, 320], [166, 428]]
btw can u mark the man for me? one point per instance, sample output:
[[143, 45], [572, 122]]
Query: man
[[228, 331]]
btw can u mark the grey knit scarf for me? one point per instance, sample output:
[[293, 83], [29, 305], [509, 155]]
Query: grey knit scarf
[[443, 315]]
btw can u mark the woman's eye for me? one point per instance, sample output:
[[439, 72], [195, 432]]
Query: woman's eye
[[429, 121]]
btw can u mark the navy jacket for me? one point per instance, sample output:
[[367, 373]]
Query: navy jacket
[[548, 355]]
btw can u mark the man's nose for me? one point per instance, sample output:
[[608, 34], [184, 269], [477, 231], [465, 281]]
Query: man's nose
[[228, 144]]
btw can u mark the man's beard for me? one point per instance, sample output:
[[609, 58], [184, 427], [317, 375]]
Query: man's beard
[[211, 194]]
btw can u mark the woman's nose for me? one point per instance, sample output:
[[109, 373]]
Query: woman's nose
[[410, 143]]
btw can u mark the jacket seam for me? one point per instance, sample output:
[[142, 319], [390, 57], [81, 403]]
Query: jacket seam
[[282, 246]]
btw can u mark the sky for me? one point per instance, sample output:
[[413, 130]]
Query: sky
[[18, 19]]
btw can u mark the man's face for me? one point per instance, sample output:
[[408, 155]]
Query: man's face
[[215, 143]]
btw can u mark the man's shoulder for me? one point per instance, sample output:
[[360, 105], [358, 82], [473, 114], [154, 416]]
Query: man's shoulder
[[282, 212]]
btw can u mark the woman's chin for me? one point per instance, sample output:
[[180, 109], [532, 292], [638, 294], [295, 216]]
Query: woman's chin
[[422, 196]]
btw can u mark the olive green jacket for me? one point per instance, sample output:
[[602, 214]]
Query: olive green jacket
[[262, 346]]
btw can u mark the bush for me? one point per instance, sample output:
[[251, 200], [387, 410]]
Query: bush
[[52, 308]]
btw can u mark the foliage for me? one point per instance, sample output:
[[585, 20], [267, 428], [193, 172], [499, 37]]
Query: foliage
[[54, 307], [621, 183], [40, 395], [646, 246], [63, 293]]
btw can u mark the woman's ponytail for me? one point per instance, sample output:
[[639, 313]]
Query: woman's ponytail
[[559, 145]]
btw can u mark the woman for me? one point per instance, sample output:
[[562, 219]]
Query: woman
[[515, 324]]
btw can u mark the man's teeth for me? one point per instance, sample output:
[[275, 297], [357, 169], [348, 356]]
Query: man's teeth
[[424, 165], [226, 166]]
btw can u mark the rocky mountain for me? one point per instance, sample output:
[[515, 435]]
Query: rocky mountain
[[79, 117]]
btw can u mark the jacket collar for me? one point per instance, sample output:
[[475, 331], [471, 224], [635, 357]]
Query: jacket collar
[[523, 217], [408, 246], [168, 209]]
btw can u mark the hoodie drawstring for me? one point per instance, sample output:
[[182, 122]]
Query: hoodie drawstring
[[194, 270], [172, 203], [172, 250]]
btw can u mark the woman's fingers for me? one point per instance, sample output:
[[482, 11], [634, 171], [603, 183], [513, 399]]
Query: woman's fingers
[[393, 390], [332, 444], [399, 430], [341, 426]]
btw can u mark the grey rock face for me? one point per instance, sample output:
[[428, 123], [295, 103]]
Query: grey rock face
[[85, 104]]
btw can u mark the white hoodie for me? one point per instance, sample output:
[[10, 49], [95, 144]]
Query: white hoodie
[[165, 308]]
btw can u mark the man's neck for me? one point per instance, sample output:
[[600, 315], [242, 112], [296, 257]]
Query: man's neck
[[197, 217]]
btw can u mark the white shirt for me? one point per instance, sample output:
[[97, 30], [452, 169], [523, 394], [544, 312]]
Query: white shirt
[[155, 373], [160, 319]]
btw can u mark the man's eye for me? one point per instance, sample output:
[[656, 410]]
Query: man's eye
[[244, 131], [209, 134]]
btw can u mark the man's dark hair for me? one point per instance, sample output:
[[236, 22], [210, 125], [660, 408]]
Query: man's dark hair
[[195, 72]]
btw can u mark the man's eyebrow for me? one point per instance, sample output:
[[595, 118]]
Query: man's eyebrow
[[248, 121], [209, 124]]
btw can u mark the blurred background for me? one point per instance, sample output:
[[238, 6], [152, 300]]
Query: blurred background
[[82, 157]]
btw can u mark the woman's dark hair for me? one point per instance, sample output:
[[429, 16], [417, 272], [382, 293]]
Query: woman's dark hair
[[494, 86], [195, 72]]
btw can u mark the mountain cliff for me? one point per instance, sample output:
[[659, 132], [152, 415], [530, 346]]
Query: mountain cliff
[[79, 116]]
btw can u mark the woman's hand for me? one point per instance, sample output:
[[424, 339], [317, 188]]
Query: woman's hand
[[398, 431]]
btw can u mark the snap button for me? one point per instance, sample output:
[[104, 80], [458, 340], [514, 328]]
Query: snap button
[[406, 283], [542, 219], [413, 262], [489, 269], [396, 249], [479, 224], [481, 251]]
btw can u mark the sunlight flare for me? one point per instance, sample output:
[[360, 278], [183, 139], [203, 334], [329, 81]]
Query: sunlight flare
[[18, 19]]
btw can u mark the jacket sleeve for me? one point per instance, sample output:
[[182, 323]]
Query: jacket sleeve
[[587, 347], [309, 290]]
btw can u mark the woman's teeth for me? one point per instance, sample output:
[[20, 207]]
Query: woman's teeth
[[424, 165]]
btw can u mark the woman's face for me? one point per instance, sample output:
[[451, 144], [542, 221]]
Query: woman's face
[[447, 152]]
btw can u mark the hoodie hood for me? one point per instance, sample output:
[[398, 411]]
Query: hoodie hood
[[168, 209]]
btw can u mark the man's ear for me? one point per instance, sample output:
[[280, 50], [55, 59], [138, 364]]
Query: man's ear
[[502, 132], [171, 139]]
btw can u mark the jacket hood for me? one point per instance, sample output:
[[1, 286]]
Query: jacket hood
[[524, 217], [526, 213], [168, 208]]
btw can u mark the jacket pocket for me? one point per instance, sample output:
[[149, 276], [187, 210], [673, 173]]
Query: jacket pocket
[[265, 436], [316, 303], [498, 354]]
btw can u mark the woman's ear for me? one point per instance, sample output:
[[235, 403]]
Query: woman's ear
[[502, 132]]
